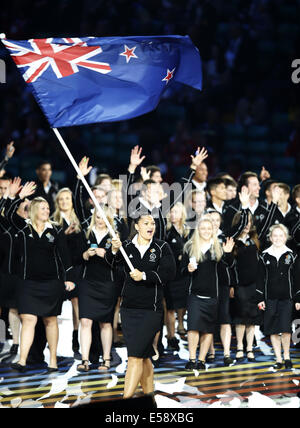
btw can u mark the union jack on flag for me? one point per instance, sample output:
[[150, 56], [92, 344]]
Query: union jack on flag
[[64, 59], [77, 81]]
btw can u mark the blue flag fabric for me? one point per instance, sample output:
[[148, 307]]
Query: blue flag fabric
[[77, 81]]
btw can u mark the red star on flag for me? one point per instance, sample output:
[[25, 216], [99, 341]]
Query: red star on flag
[[129, 53], [169, 76]]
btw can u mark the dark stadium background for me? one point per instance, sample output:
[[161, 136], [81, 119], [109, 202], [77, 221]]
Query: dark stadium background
[[247, 115]]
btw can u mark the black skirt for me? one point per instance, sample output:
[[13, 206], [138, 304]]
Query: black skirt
[[278, 317], [176, 293], [246, 309], [202, 314], [96, 300], [77, 276], [225, 306], [8, 291], [40, 298], [139, 328]]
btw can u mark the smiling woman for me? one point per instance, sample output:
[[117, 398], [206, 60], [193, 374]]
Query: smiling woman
[[43, 256], [142, 295]]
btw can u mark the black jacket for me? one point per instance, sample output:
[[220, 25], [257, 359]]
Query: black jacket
[[278, 279], [159, 266], [204, 281], [292, 222], [50, 196], [40, 258], [246, 262]]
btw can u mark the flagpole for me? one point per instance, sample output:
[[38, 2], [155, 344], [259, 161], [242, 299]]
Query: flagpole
[[86, 185]]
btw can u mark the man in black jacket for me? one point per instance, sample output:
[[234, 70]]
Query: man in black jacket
[[46, 188]]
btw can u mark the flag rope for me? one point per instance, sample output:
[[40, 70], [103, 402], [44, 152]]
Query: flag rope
[[88, 189]]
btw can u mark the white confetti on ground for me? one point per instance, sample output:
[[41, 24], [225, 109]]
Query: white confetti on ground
[[113, 382], [260, 401], [15, 402], [59, 405], [30, 404], [170, 388], [166, 403], [75, 390], [60, 383], [122, 352]]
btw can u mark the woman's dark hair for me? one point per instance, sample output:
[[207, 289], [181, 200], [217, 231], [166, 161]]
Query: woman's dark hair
[[252, 233], [133, 231], [136, 220]]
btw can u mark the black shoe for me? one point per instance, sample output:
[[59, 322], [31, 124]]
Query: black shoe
[[288, 364], [251, 360], [52, 370], [173, 344], [1, 346], [18, 367], [12, 353], [240, 358], [35, 361], [191, 365], [201, 365], [211, 358], [227, 361], [278, 366]]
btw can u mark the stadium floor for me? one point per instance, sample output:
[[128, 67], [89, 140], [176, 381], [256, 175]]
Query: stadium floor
[[244, 385]]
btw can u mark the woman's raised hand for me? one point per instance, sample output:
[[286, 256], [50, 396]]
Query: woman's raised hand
[[27, 190], [200, 156], [84, 166], [228, 245]]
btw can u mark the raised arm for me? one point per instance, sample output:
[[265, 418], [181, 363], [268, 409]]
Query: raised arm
[[80, 209], [264, 225], [236, 230], [10, 150], [14, 219]]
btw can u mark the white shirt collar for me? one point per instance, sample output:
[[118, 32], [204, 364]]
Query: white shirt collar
[[146, 204], [298, 209], [99, 235], [273, 252], [254, 207], [48, 187], [65, 218], [142, 248], [245, 239], [217, 208], [199, 186], [47, 225], [206, 247], [285, 214]]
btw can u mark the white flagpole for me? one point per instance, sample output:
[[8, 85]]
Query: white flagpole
[[86, 185]]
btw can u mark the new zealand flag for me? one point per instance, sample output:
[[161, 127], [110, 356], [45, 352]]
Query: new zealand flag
[[77, 81]]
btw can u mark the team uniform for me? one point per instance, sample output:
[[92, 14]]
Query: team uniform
[[97, 287], [262, 218], [8, 277], [142, 307], [44, 264], [278, 286], [204, 291], [246, 269], [176, 291], [292, 222]]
